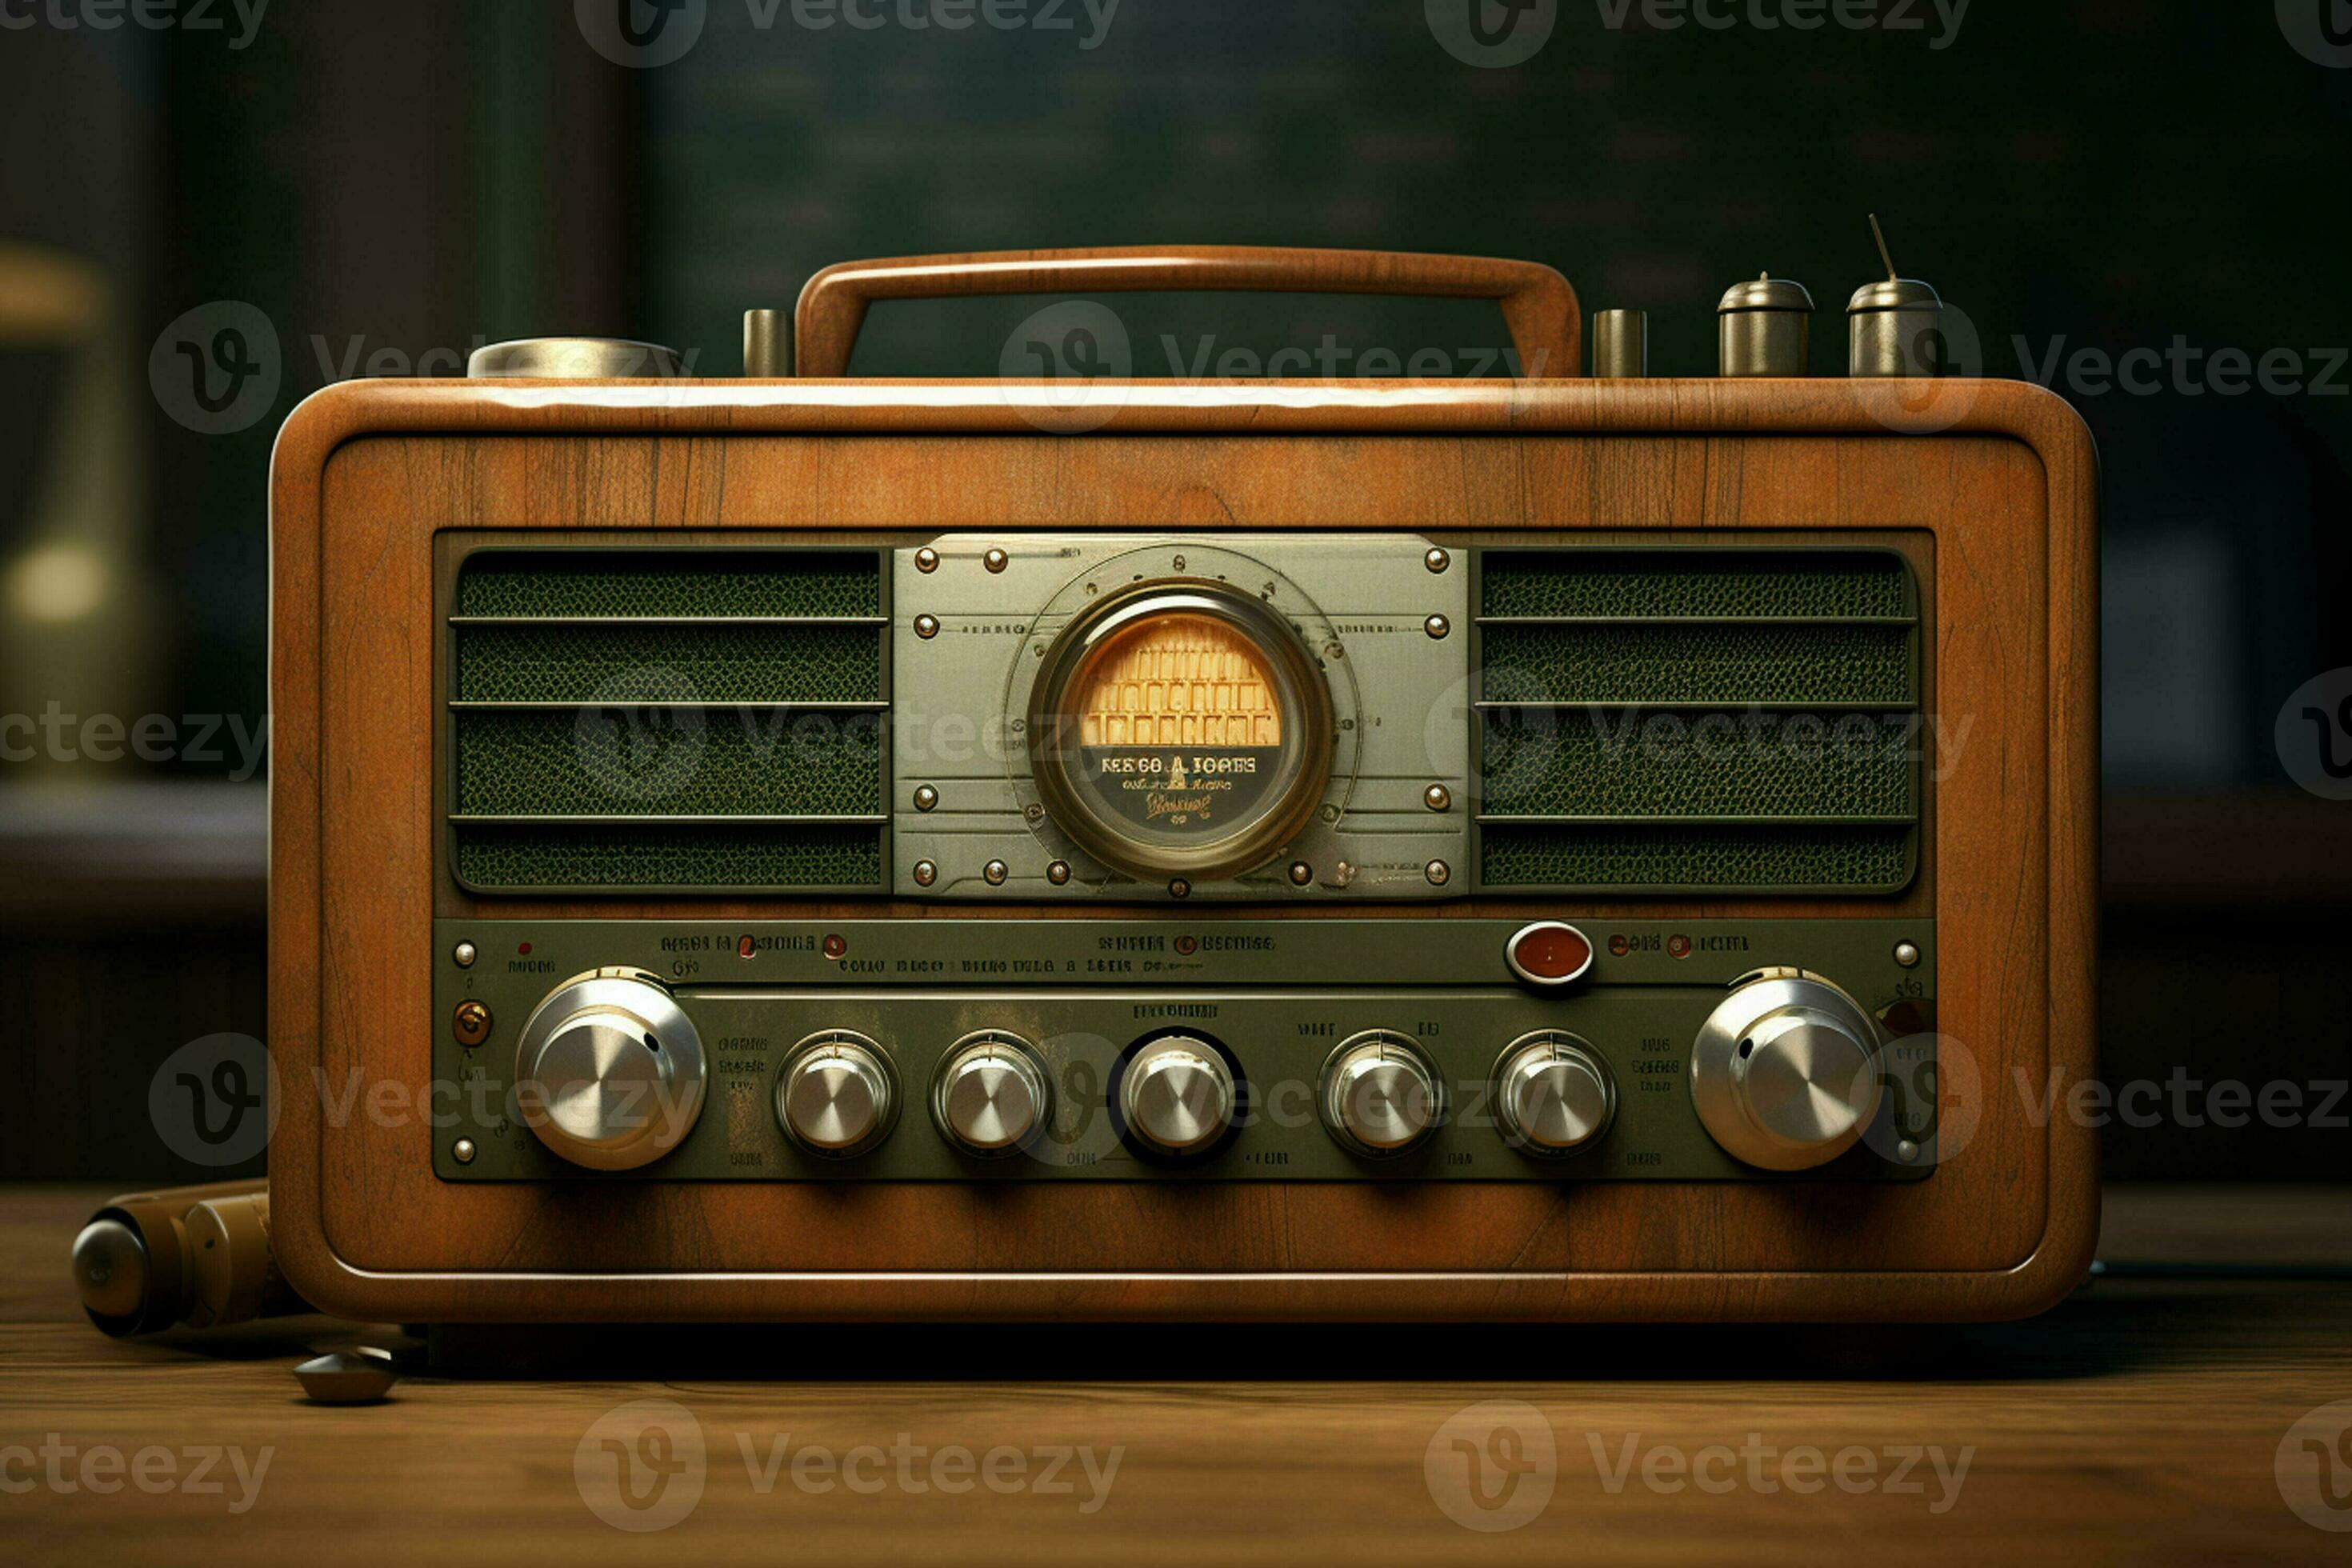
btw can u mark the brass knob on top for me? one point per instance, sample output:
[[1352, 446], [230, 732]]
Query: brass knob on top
[[1765, 328], [767, 344], [575, 359], [1895, 327], [1621, 344]]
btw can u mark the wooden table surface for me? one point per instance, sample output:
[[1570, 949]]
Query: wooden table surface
[[2142, 1421]]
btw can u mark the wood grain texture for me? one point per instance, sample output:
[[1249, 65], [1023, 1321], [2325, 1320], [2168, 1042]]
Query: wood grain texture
[[1269, 1445], [1539, 306], [1996, 480]]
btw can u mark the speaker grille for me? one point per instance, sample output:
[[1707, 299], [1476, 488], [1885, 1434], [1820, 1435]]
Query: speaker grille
[[1682, 720], [669, 720]]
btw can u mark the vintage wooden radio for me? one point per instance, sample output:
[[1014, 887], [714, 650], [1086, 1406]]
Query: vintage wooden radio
[[807, 847]]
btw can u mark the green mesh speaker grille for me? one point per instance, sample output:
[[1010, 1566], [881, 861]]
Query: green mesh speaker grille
[[556, 663], [683, 857], [1574, 763], [1695, 583], [1704, 661], [1786, 859], [1698, 721], [668, 761], [638, 687], [668, 583]]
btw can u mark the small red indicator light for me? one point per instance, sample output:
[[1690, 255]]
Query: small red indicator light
[[835, 946], [1618, 946], [1187, 945], [1679, 946], [1549, 953], [524, 948], [745, 948]]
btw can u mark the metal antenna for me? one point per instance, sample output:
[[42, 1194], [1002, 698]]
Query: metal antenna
[[1879, 235]]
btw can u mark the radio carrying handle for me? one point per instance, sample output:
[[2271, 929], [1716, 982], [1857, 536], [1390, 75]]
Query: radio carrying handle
[[1539, 306]]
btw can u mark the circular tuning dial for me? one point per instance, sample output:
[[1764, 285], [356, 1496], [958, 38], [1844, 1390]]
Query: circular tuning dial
[[991, 1095], [1379, 1097], [1553, 1094], [609, 1070], [837, 1097], [1177, 1095], [1785, 1074]]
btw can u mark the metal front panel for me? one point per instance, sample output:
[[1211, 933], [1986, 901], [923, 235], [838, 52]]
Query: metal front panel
[[1278, 996], [1362, 602]]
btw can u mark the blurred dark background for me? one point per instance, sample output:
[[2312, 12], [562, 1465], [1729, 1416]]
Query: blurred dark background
[[388, 185]]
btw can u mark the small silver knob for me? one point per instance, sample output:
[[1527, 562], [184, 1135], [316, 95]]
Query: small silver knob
[[1177, 1095], [989, 1095], [1785, 1073], [609, 1070], [1552, 1095], [835, 1097], [1379, 1098]]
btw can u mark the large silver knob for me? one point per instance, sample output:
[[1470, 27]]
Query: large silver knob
[[1177, 1095], [1785, 1074], [609, 1070], [989, 1095], [837, 1097], [1552, 1095], [1379, 1096]]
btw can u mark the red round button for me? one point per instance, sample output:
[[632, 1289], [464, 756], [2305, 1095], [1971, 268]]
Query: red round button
[[1549, 953]]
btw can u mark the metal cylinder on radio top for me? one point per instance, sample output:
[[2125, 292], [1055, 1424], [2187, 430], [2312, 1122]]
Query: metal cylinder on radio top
[[1764, 327], [1621, 344], [1895, 327]]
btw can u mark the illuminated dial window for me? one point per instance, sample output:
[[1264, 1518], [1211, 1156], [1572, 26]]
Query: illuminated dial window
[[1180, 729], [1178, 680]]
